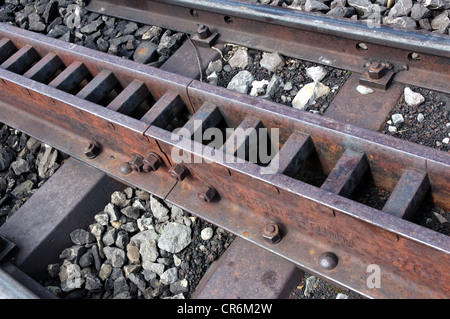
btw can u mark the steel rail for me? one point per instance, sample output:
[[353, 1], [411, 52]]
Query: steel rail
[[316, 38], [314, 223]]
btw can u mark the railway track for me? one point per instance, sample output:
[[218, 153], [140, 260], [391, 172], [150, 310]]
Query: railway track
[[146, 127]]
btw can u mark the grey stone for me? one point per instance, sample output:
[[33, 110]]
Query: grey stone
[[36, 22], [154, 31], [314, 5], [441, 22], [131, 212], [310, 284], [97, 230], [271, 61], [435, 4], [214, 66], [146, 52], [419, 12], [46, 162], [403, 22], [131, 269], [149, 251], [159, 211], [51, 11], [6, 157], [110, 236], [175, 238], [73, 253], [121, 286], [102, 218], [241, 82], [81, 237], [119, 199], [169, 43], [20, 166], [240, 59], [425, 24], [115, 255], [397, 119], [92, 27], [86, 260], [96, 256], [142, 195], [148, 274], [361, 6], [401, 8], [130, 227], [179, 286], [154, 267], [169, 276], [23, 189], [138, 280], [144, 236], [122, 239], [93, 283]]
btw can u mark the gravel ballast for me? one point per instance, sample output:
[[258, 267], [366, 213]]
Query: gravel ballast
[[158, 252]]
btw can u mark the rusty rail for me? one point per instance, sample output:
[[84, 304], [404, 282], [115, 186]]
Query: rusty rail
[[316, 38], [82, 109]]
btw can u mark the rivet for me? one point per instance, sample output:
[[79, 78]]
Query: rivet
[[328, 261]]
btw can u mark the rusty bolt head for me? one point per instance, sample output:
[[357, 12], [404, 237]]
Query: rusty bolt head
[[178, 172], [91, 150], [376, 70], [203, 31], [207, 194], [125, 168], [328, 261], [152, 162], [271, 233], [136, 163]]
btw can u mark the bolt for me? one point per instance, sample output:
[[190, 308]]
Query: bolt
[[136, 163], [91, 150], [125, 168], [376, 70], [178, 172], [152, 162], [203, 31], [271, 233], [207, 194], [328, 261]]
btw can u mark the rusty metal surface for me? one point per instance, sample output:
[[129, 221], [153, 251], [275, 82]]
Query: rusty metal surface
[[41, 227], [310, 37], [312, 222], [378, 104], [245, 271]]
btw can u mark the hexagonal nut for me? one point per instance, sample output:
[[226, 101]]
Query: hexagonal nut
[[136, 163], [207, 194], [152, 163], [203, 31], [376, 70], [271, 233], [91, 150], [178, 172]]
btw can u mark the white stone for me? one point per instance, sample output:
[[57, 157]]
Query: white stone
[[392, 129], [364, 89], [239, 59], [397, 118], [440, 218], [308, 94], [420, 118], [207, 233], [316, 73], [258, 87], [412, 98], [341, 296], [446, 140]]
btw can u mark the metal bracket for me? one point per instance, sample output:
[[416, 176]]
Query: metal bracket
[[376, 77]]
